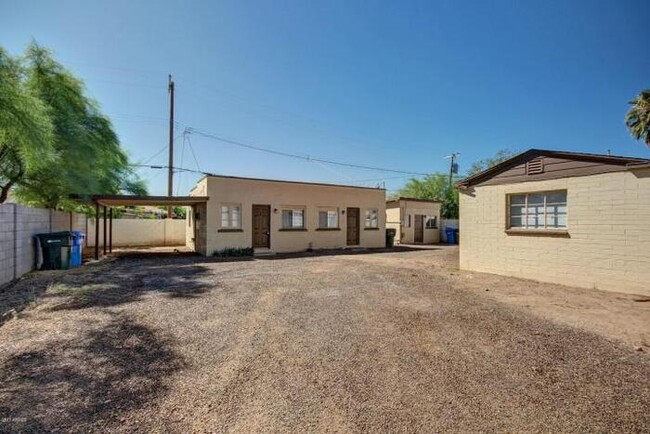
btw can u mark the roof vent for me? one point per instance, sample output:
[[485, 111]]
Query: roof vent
[[533, 167]]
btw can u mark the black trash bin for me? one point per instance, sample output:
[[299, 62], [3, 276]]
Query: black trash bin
[[390, 237], [55, 247]]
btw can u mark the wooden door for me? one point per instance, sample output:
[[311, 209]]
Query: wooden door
[[262, 226], [352, 226], [418, 237]]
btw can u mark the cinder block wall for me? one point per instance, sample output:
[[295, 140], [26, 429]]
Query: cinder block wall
[[607, 246], [18, 225]]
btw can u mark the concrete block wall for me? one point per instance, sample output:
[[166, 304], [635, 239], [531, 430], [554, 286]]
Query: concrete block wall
[[18, 225], [607, 242]]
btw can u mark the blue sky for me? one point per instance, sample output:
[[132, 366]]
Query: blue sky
[[389, 84]]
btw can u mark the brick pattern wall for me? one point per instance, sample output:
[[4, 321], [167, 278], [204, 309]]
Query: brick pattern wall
[[609, 233], [18, 225]]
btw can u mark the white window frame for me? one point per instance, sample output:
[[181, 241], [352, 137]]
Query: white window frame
[[331, 211], [293, 209], [426, 222], [368, 221], [233, 220], [524, 215]]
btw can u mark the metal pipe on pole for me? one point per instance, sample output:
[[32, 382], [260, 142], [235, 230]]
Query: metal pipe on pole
[[170, 173], [453, 167]]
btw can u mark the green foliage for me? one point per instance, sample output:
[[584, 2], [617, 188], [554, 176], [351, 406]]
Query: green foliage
[[234, 252], [481, 165], [434, 186], [87, 157], [638, 117], [25, 128], [179, 212]]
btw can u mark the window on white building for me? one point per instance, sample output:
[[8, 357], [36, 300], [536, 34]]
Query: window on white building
[[293, 218], [328, 218], [231, 216], [372, 218], [542, 210]]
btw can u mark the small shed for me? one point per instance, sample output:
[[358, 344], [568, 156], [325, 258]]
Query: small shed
[[416, 221]]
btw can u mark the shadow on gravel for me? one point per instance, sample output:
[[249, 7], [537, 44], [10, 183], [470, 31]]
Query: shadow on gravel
[[108, 284], [84, 382], [319, 253], [128, 281], [349, 251]]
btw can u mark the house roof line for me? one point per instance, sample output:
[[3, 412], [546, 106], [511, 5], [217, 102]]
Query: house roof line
[[323, 184], [413, 199], [532, 153], [110, 200]]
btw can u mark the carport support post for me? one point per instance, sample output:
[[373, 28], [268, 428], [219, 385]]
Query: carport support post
[[110, 230], [104, 244], [96, 231]]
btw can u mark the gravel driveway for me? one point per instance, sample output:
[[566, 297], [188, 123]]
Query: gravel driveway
[[389, 342]]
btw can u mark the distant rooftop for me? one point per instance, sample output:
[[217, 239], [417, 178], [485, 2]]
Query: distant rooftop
[[291, 182]]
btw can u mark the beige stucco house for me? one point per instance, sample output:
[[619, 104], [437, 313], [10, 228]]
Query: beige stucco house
[[283, 216], [562, 217], [416, 221]]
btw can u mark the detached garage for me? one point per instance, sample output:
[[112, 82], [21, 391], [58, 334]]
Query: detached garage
[[561, 217]]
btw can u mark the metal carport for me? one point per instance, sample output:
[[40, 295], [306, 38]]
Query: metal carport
[[108, 201]]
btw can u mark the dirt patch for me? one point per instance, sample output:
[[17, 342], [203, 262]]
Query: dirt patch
[[385, 342]]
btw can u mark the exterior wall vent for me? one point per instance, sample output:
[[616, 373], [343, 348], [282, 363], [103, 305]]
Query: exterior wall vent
[[533, 167]]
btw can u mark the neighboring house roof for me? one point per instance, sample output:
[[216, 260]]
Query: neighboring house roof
[[288, 182], [395, 201], [594, 164]]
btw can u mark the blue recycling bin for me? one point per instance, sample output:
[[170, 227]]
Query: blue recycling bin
[[451, 235], [76, 251]]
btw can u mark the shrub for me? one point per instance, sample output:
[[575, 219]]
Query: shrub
[[234, 252]]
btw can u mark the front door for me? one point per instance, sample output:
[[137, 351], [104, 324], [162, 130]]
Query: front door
[[419, 229], [262, 226], [352, 226]]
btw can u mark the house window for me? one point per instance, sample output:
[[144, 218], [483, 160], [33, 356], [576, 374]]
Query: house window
[[328, 218], [372, 218], [293, 218], [230, 216], [431, 222], [407, 220], [543, 210]]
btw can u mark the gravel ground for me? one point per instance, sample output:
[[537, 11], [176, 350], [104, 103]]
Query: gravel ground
[[390, 342]]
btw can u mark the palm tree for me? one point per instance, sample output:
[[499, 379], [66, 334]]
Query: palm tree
[[638, 117]]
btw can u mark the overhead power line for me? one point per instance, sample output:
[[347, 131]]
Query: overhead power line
[[176, 169], [300, 157]]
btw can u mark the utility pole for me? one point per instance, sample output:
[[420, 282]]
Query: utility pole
[[170, 173], [453, 167]]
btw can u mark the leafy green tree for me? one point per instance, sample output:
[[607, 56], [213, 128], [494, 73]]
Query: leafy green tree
[[25, 128], [89, 158], [481, 165], [180, 212], [434, 186], [638, 117]]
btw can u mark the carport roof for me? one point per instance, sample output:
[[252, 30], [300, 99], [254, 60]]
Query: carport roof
[[129, 200]]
